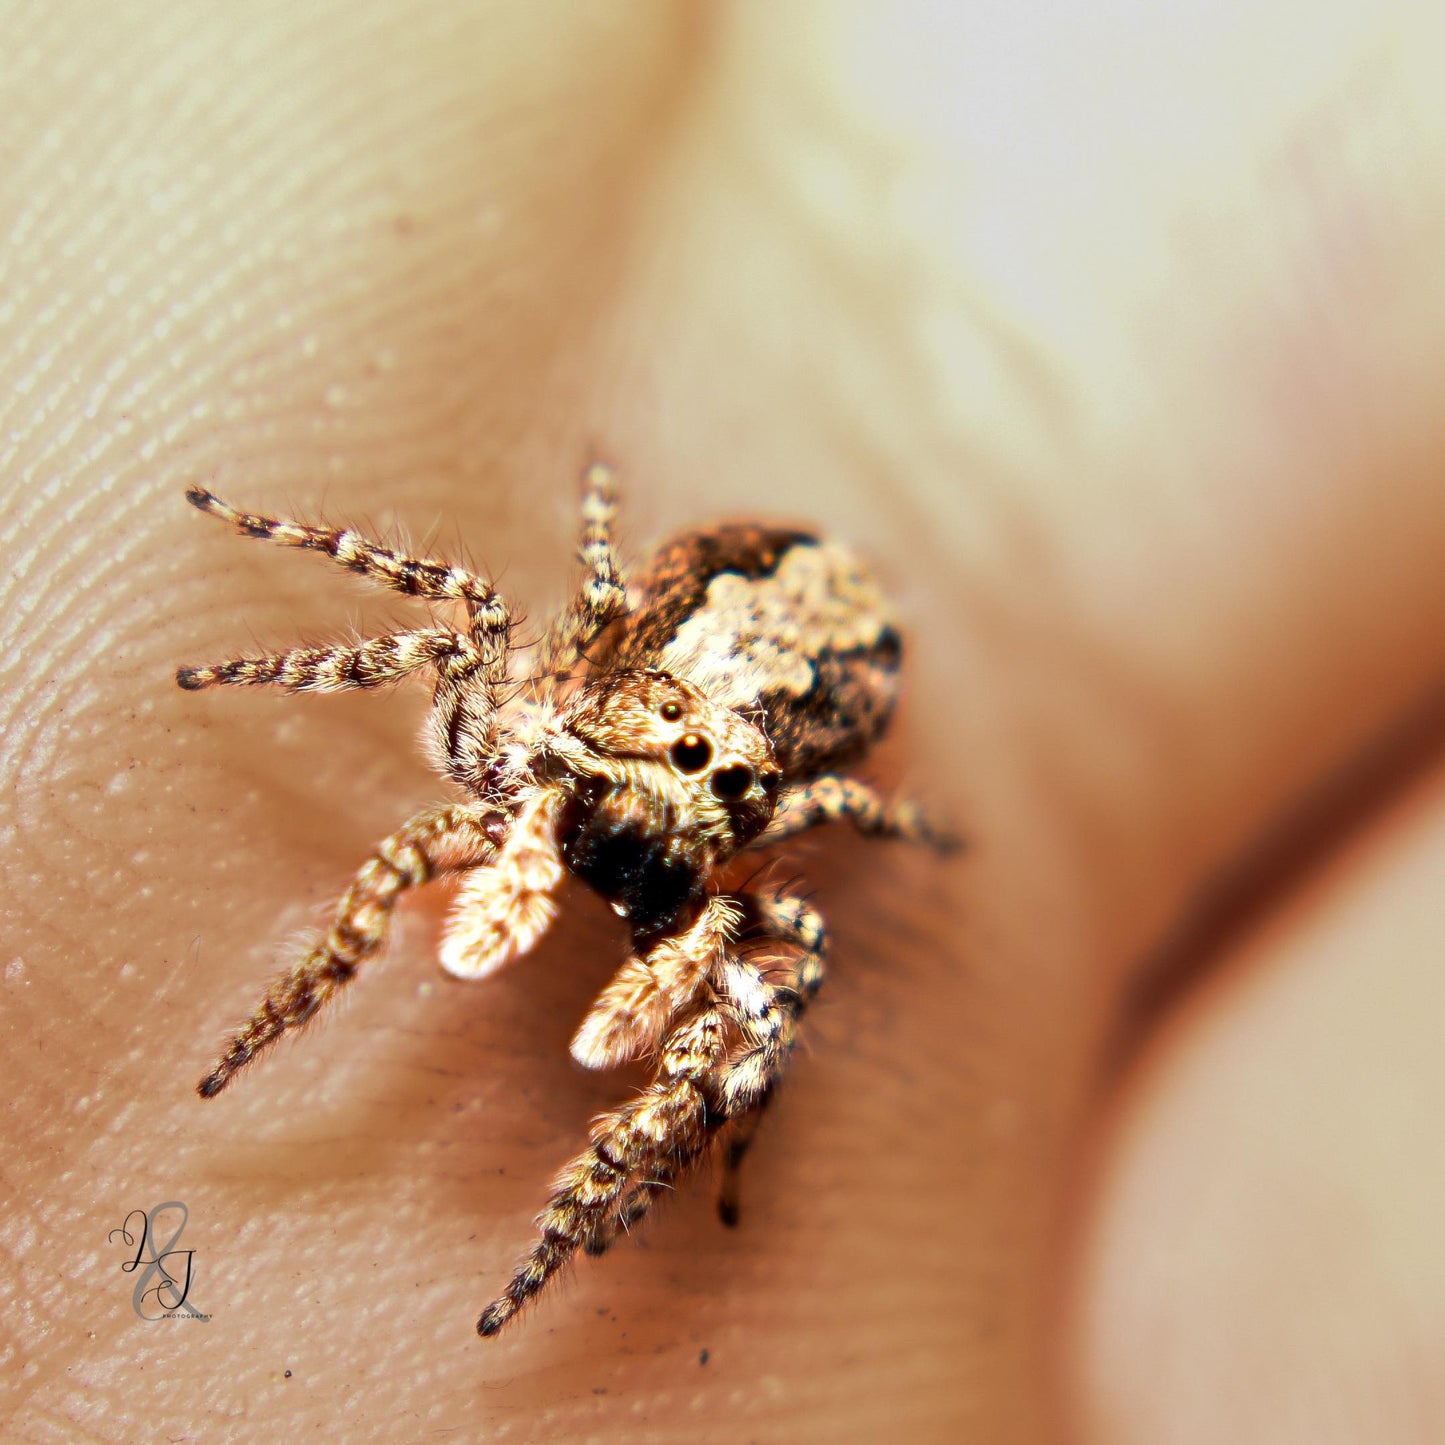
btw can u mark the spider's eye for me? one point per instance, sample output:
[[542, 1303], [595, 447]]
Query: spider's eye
[[691, 753], [670, 711], [729, 784], [770, 783]]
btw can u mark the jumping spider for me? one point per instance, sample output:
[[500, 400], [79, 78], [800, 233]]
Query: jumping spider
[[652, 737]]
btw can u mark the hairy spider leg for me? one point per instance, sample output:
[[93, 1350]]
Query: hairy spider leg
[[632, 1016], [415, 576], [469, 678], [791, 920], [435, 842], [602, 597], [644, 1147], [739, 1141], [650, 1140], [633, 1207], [832, 798], [372, 663]]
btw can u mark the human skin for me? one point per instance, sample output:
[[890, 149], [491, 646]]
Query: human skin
[[1112, 336]]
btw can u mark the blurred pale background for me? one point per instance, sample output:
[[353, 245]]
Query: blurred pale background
[[1114, 334]]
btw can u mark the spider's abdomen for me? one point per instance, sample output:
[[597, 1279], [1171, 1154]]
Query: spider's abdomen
[[763, 618]]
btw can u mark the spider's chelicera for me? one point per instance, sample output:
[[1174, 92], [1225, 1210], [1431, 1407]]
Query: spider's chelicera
[[655, 734]]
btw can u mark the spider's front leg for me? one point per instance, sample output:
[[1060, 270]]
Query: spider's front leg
[[435, 842], [763, 1012], [717, 1067], [763, 1009], [636, 1149]]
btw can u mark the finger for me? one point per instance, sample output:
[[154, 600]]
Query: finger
[[1260, 1258], [1114, 702]]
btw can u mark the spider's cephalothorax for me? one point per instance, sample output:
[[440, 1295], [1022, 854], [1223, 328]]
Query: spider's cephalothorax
[[668, 787], [657, 733]]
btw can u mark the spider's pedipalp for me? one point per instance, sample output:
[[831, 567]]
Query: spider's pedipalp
[[504, 907], [437, 841], [632, 1013], [627, 1020], [602, 597], [373, 663], [833, 798]]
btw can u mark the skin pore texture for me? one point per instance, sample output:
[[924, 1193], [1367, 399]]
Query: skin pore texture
[[1111, 335]]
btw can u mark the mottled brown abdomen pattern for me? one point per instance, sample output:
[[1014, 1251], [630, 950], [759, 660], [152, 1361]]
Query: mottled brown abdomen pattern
[[777, 625]]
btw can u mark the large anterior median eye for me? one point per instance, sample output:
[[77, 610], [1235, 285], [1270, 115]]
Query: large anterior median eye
[[731, 783], [691, 753]]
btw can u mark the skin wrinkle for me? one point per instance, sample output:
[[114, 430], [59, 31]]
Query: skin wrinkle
[[1132, 637]]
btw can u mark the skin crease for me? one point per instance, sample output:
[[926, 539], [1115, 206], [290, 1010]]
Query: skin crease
[[1112, 334]]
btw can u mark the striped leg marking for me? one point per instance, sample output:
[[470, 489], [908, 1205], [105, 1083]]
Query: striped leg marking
[[602, 597], [438, 841], [637, 1150], [836, 799], [770, 1015], [373, 663]]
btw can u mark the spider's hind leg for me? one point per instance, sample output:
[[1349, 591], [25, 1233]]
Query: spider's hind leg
[[602, 598], [373, 663], [833, 798], [415, 576], [471, 667]]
